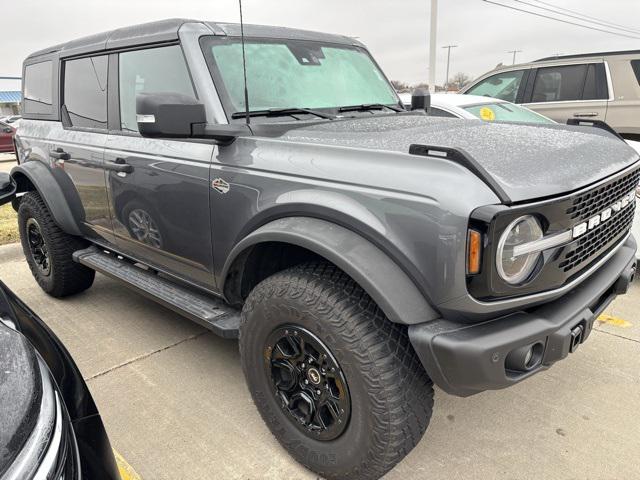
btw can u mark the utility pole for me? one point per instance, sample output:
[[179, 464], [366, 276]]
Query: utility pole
[[514, 55], [448, 47], [433, 33]]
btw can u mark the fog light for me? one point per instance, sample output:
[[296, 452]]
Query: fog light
[[525, 358]]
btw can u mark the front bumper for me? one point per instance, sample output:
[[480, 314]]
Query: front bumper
[[464, 359]]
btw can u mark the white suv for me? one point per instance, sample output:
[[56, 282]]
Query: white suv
[[599, 86]]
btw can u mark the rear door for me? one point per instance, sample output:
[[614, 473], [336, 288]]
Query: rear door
[[77, 148], [561, 92], [160, 206]]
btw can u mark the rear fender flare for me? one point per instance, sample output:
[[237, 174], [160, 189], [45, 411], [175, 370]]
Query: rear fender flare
[[64, 204]]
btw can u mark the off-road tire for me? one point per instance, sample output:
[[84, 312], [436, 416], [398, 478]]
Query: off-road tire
[[66, 277], [391, 394]]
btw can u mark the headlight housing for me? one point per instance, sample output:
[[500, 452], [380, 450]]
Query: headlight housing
[[512, 267]]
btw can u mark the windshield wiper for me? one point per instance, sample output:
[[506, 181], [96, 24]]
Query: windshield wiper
[[276, 112], [369, 106]]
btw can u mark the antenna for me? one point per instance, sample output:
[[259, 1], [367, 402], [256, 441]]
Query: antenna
[[244, 68]]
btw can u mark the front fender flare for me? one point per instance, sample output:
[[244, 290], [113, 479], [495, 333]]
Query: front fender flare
[[383, 280], [67, 212]]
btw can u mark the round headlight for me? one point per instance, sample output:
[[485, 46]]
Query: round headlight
[[513, 268]]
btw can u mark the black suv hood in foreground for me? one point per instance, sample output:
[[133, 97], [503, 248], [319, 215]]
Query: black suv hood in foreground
[[20, 393], [526, 161]]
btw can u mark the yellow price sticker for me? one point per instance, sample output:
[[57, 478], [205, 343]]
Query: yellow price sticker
[[487, 114]]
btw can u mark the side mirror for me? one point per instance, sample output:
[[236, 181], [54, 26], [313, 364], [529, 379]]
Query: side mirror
[[7, 188], [168, 115], [420, 100]]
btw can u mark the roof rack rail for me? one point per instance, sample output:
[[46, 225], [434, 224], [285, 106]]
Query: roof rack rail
[[586, 55]]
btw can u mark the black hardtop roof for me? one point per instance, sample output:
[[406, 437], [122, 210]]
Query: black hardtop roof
[[167, 30], [587, 55]]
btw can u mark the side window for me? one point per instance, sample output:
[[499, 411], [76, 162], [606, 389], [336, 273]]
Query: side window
[[635, 64], [564, 83], [38, 88], [85, 91], [155, 70], [438, 112], [503, 85]]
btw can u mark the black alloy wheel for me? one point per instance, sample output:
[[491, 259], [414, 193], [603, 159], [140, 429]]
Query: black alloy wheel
[[38, 247], [308, 382]]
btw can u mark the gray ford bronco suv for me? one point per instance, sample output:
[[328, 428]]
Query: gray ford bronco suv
[[360, 252]]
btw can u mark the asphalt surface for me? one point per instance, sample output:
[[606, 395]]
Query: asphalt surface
[[175, 404]]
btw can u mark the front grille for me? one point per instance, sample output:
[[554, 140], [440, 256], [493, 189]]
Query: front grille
[[595, 242], [590, 203]]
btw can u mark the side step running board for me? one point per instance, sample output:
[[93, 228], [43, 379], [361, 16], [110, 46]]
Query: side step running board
[[209, 312]]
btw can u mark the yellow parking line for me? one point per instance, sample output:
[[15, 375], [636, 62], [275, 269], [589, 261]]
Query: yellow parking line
[[126, 471], [614, 321]]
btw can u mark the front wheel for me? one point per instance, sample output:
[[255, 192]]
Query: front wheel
[[337, 383]]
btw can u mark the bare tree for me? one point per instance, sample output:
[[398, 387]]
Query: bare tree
[[400, 86], [459, 80]]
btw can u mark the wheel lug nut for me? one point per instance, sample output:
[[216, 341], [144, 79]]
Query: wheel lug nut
[[318, 392]]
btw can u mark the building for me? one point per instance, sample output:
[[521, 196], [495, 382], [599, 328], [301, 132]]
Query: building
[[10, 96]]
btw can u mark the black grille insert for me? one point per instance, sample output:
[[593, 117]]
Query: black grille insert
[[594, 201], [589, 246]]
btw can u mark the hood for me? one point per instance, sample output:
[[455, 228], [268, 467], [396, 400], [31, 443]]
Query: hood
[[525, 161], [20, 393]]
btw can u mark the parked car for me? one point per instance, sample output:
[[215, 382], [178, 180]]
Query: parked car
[[473, 107], [51, 428], [11, 119], [602, 86], [360, 252], [7, 133]]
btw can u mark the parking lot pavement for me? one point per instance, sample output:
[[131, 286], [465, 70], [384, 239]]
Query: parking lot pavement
[[175, 404]]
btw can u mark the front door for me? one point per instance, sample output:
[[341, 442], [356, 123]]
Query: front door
[[77, 148], [160, 200]]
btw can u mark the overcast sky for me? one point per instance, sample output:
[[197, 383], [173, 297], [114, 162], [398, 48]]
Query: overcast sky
[[395, 31]]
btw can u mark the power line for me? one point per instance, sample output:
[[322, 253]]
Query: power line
[[561, 20], [596, 20], [582, 18]]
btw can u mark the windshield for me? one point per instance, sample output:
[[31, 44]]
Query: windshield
[[296, 74], [506, 112]]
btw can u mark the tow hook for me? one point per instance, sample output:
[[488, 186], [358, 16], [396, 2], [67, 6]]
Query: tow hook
[[626, 279], [577, 333]]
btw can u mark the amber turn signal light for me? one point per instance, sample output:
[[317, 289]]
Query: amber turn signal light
[[474, 252]]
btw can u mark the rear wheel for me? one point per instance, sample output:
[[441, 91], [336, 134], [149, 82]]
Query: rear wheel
[[49, 250], [337, 383]]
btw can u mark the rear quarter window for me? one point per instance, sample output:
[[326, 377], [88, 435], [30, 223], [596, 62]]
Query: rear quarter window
[[38, 88]]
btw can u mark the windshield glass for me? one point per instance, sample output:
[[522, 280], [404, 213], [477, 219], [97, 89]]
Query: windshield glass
[[506, 112], [296, 74]]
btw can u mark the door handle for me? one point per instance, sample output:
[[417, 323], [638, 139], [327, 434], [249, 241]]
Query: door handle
[[585, 115], [59, 154], [119, 165]]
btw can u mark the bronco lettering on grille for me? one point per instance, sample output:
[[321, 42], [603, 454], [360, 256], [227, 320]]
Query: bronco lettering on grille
[[606, 214]]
